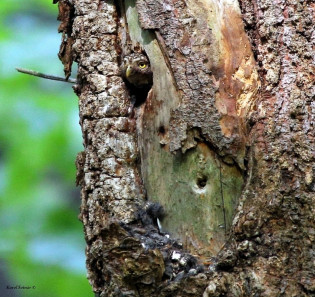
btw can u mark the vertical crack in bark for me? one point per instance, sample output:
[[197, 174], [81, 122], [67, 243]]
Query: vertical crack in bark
[[163, 48]]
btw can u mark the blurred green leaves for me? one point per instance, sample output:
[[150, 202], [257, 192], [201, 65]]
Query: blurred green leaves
[[42, 241]]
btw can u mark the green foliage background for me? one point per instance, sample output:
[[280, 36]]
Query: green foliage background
[[42, 242]]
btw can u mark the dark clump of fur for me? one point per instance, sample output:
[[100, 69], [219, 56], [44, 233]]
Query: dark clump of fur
[[150, 212], [178, 263]]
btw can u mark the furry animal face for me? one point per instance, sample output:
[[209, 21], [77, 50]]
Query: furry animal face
[[136, 70]]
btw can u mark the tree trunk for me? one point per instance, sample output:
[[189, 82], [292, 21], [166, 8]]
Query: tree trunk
[[224, 142]]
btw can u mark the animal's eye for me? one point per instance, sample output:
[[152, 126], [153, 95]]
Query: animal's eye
[[142, 65]]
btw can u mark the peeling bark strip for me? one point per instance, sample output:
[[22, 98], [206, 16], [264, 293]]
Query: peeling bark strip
[[65, 16], [212, 109]]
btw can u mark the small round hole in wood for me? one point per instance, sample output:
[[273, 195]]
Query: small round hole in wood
[[161, 130], [202, 181]]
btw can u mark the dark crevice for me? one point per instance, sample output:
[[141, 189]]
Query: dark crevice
[[161, 130], [202, 182]]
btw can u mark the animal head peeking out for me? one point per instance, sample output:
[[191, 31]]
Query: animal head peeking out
[[136, 70]]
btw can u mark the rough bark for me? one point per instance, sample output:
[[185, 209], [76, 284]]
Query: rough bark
[[224, 110], [273, 231]]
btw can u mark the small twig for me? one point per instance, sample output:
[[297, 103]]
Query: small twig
[[46, 76]]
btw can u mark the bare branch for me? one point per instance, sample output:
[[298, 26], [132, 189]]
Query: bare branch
[[46, 76]]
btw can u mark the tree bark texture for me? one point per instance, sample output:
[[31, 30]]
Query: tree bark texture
[[224, 142]]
